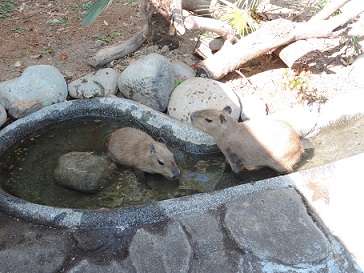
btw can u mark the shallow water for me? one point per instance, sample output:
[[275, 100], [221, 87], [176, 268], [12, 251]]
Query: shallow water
[[27, 170], [343, 139]]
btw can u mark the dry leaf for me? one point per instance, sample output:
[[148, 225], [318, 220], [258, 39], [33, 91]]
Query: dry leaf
[[63, 56], [17, 63]]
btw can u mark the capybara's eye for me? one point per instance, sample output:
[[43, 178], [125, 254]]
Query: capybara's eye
[[160, 162], [208, 120]]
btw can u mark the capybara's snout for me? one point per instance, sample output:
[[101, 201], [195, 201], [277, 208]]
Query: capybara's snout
[[175, 173]]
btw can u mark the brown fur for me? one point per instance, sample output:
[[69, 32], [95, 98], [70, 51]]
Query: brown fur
[[251, 144], [134, 148]]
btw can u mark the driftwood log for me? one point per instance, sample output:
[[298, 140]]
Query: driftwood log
[[275, 34], [119, 50], [297, 54]]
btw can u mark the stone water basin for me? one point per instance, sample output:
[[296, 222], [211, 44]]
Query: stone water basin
[[31, 146]]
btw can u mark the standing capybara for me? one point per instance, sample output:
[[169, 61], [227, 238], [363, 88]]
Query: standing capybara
[[251, 144], [134, 148]]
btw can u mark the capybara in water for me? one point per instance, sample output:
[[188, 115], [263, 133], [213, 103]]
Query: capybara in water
[[251, 144], [134, 148]]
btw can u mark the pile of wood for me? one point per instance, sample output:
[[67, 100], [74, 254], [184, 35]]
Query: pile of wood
[[226, 54]]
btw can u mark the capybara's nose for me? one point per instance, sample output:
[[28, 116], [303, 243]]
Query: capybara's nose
[[175, 173]]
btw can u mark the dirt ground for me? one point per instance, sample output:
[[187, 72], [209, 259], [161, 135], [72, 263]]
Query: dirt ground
[[50, 32]]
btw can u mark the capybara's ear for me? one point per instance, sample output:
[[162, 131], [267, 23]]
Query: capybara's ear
[[151, 149], [222, 119], [227, 109]]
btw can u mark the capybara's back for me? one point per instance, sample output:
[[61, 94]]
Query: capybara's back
[[133, 148], [251, 144]]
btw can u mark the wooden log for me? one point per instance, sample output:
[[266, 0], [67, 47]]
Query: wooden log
[[271, 36], [209, 24], [122, 49], [298, 54]]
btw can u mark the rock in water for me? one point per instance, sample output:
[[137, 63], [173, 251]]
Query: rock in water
[[83, 171]]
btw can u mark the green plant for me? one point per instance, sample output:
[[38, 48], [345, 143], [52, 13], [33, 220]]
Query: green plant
[[355, 42], [104, 38], [47, 51], [83, 6], [6, 9], [95, 10], [60, 21], [20, 29], [299, 82], [323, 3], [22, 54], [241, 16]]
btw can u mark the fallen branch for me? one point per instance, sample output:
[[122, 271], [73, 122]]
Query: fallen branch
[[122, 49], [297, 54], [272, 35], [209, 24]]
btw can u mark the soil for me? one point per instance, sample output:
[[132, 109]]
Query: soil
[[50, 32]]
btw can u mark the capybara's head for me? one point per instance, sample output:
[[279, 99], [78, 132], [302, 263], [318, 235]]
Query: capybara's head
[[161, 161], [211, 121]]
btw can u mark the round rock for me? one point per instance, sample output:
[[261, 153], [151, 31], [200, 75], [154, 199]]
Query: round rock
[[101, 83], [149, 80], [182, 70], [43, 82], [82, 171], [200, 93]]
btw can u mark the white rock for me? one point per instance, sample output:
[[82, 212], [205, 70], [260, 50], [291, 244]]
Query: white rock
[[42, 82], [201, 93], [3, 115], [149, 80], [252, 106], [101, 83]]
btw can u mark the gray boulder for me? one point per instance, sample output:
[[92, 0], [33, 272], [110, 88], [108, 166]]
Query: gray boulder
[[182, 71], [83, 171], [3, 115], [43, 82], [201, 93], [101, 83], [149, 80]]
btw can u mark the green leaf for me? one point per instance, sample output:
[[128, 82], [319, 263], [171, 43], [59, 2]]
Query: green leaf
[[95, 10]]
